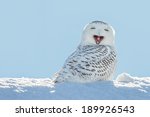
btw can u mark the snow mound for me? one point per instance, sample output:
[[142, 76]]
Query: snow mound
[[124, 77], [25, 82], [124, 87]]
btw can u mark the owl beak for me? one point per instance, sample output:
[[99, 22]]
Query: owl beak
[[98, 39]]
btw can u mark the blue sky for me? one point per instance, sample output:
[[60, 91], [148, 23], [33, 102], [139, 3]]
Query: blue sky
[[36, 36]]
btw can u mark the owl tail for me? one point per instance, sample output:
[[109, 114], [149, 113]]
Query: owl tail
[[57, 78]]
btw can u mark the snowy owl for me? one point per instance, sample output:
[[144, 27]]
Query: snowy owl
[[95, 57]]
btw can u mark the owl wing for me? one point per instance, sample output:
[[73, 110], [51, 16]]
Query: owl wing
[[88, 61]]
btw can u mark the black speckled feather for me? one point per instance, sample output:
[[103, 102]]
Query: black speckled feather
[[89, 63]]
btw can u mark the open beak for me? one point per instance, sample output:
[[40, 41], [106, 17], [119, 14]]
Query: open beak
[[98, 39]]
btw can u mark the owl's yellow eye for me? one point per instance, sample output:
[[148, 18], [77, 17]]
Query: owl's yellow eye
[[106, 30], [93, 28]]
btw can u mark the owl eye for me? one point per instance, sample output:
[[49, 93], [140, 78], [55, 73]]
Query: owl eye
[[93, 28], [106, 30]]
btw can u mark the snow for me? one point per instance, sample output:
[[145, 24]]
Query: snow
[[125, 87]]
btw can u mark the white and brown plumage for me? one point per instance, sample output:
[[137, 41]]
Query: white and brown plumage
[[95, 57]]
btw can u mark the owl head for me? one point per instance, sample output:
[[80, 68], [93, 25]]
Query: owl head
[[99, 33]]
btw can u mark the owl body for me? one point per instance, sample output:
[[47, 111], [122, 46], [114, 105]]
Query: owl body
[[93, 60]]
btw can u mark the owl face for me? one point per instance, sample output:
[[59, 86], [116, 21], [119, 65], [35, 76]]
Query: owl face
[[99, 33]]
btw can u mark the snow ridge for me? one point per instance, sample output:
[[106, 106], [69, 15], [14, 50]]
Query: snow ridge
[[124, 87]]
